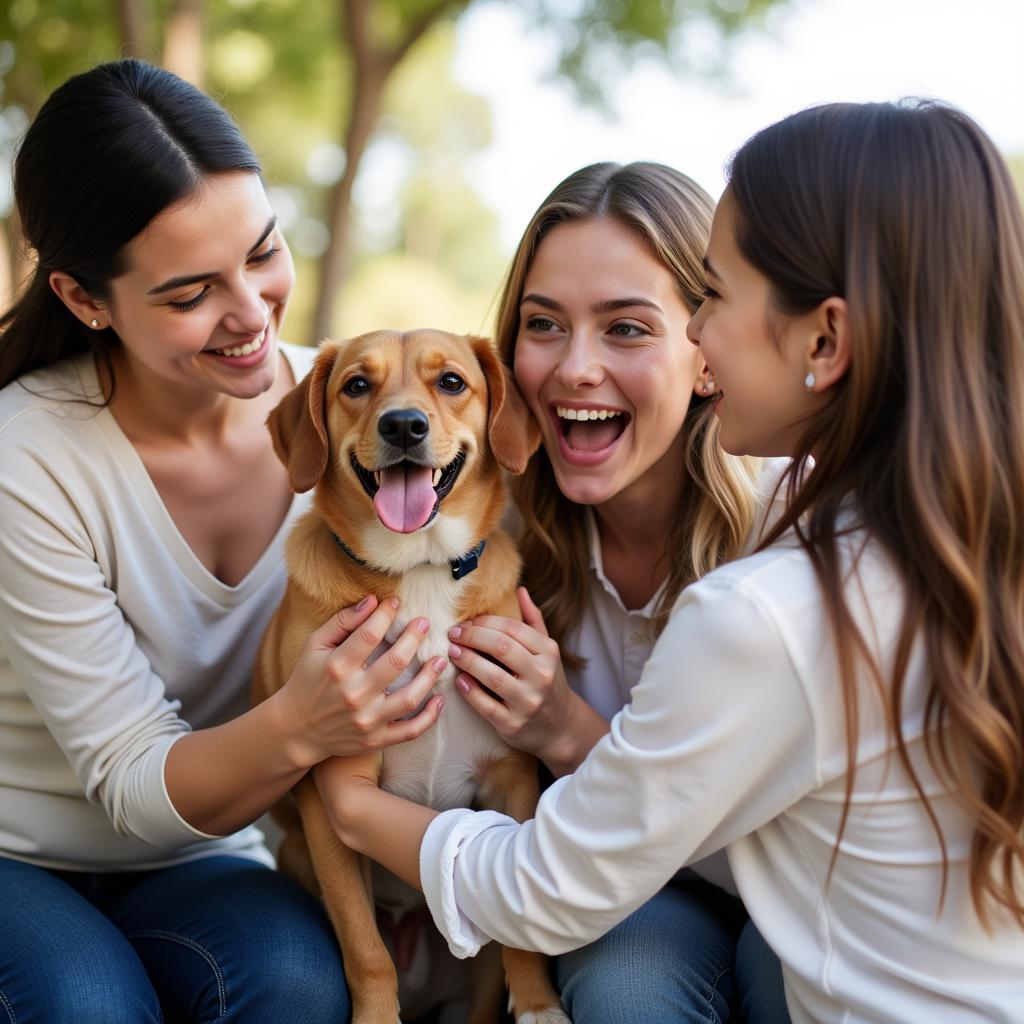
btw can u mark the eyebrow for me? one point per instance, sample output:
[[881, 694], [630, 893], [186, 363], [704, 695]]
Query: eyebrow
[[608, 306], [179, 282], [709, 269]]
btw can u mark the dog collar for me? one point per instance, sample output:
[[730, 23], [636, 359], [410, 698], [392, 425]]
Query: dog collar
[[460, 566]]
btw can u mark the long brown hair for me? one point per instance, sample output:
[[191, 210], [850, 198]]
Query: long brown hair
[[671, 215], [908, 212]]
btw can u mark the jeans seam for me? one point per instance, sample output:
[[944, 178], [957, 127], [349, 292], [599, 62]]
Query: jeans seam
[[195, 947], [12, 1016], [714, 988]]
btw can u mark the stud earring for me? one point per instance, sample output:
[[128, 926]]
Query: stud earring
[[809, 382], [94, 323]]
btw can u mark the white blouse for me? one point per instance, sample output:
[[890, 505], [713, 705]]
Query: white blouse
[[734, 739]]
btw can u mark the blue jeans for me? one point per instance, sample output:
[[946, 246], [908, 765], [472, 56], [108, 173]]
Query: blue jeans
[[220, 939], [690, 954]]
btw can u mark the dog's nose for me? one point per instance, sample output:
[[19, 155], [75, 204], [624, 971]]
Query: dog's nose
[[403, 428]]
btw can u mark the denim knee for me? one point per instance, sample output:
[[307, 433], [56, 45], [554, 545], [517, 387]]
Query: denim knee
[[252, 947], [668, 962], [80, 988], [61, 960], [762, 995]]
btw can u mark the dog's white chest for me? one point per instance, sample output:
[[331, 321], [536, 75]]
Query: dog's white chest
[[440, 768]]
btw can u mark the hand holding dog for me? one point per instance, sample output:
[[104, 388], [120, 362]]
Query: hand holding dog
[[335, 704], [530, 705]]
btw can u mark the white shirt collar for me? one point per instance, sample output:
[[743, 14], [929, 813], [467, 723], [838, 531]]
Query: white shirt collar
[[597, 567]]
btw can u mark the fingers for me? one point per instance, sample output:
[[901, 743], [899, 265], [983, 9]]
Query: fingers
[[409, 728], [531, 613], [394, 661], [405, 701], [483, 703], [512, 643], [367, 636], [340, 625], [494, 677]]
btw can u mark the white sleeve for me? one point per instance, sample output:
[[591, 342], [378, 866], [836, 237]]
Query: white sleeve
[[717, 741], [77, 658]]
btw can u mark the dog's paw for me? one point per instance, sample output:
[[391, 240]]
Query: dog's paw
[[552, 1015]]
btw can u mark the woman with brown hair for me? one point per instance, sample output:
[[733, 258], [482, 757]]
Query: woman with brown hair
[[843, 709]]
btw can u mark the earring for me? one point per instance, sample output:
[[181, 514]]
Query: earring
[[94, 323], [809, 382]]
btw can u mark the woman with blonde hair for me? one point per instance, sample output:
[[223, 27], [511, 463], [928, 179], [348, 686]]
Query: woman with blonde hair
[[842, 710], [629, 499]]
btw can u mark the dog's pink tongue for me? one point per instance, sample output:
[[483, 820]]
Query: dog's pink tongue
[[593, 435], [405, 498]]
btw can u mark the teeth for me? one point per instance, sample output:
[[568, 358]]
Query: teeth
[[376, 477], [586, 414], [436, 478], [240, 350]]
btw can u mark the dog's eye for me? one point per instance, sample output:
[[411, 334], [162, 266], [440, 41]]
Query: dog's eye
[[452, 383], [356, 386]]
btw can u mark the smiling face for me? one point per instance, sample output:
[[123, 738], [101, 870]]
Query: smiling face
[[202, 302], [410, 411], [758, 358], [602, 360]]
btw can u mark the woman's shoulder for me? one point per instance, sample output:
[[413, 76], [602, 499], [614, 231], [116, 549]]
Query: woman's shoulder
[[300, 357], [56, 397]]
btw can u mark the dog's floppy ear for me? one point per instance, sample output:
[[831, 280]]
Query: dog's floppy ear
[[511, 428], [298, 424]]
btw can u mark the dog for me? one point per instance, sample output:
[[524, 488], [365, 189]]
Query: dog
[[404, 437]]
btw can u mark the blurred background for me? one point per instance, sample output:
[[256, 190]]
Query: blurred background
[[406, 142]]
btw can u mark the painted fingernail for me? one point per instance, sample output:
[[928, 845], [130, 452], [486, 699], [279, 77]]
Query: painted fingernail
[[439, 664], [422, 625], [455, 632], [362, 604], [393, 602], [462, 683], [440, 704], [454, 652]]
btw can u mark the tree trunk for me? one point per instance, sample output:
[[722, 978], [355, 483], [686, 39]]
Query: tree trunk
[[183, 41], [372, 66], [133, 26], [334, 262]]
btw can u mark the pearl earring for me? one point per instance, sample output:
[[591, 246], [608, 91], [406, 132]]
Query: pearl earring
[[809, 382], [94, 323]]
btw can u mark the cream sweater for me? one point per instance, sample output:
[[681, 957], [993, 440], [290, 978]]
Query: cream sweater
[[114, 638]]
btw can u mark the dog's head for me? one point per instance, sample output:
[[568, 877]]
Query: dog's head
[[408, 423]]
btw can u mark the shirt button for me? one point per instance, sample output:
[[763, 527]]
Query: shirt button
[[637, 637]]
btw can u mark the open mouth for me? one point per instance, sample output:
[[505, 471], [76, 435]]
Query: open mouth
[[590, 430], [406, 494]]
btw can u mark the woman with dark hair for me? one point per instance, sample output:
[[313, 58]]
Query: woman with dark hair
[[843, 709], [143, 516]]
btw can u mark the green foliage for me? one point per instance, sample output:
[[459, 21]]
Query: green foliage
[[424, 241], [596, 38]]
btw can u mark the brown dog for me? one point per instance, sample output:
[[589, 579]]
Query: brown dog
[[404, 437]]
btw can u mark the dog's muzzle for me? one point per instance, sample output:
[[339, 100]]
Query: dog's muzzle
[[407, 488]]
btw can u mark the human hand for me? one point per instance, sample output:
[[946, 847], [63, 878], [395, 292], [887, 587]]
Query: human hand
[[334, 703], [530, 703]]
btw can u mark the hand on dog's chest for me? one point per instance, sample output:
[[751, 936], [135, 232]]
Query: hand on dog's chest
[[439, 768]]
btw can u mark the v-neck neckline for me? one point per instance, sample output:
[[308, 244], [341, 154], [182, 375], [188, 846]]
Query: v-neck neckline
[[160, 518]]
